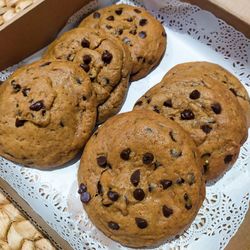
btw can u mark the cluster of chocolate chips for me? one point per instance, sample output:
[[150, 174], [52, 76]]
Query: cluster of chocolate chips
[[34, 106], [138, 193], [84, 194], [133, 29]]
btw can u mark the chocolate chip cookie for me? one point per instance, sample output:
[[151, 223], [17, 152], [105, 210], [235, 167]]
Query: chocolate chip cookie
[[144, 36], [140, 179], [215, 71], [208, 111], [104, 58], [48, 112]]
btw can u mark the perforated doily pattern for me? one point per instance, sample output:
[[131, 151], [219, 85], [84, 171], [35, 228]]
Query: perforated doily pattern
[[54, 196]]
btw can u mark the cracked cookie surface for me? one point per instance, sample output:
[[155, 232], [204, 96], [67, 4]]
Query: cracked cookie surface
[[48, 112], [140, 179], [208, 111], [104, 58], [215, 71], [144, 36]]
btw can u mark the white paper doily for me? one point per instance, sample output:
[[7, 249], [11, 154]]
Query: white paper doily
[[193, 34]]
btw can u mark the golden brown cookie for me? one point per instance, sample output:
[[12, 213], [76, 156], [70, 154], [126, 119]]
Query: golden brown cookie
[[215, 71], [144, 36], [208, 111], [48, 112], [106, 60], [140, 179]]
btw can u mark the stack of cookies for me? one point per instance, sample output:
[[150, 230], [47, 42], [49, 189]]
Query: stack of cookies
[[210, 104], [81, 81]]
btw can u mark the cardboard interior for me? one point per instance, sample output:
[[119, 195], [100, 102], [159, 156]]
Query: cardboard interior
[[34, 29]]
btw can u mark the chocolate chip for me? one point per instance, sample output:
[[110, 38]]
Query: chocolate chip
[[206, 129], [113, 225], [125, 154], [166, 183], [16, 87], [228, 159], [133, 32], [84, 98], [78, 80], [130, 19], [139, 103], [110, 18], [186, 197], [118, 11], [102, 161], [168, 103], [233, 91], [156, 109], [216, 107], [141, 223], [19, 123], [147, 158], [37, 106], [45, 64], [61, 124], [71, 57], [143, 22], [163, 34], [114, 196], [190, 179], [87, 59], [85, 197], [171, 134], [187, 114], [175, 153], [85, 67], [106, 57], [180, 181], [120, 31], [135, 177], [149, 100], [195, 94], [167, 212], [126, 40], [85, 43], [137, 11], [205, 168], [96, 15], [142, 34], [26, 91], [139, 194], [188, 205], [82, 188], [157, 164], [99, 188], [43, 112], [109, 27]]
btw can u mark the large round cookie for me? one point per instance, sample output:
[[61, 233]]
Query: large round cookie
[[208, 111], [48, 111], [140, 179], [138, 29], [215, 71], [106, 60]]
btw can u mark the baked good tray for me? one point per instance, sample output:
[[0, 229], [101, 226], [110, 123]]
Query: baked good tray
[[193, 35]]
